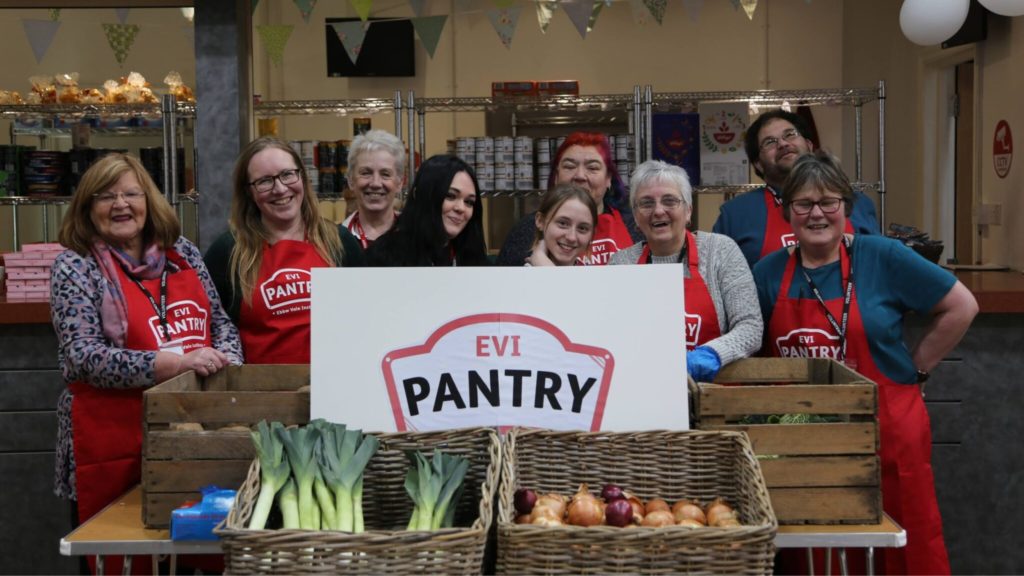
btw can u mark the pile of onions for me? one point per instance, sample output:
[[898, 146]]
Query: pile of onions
[[618, 507]]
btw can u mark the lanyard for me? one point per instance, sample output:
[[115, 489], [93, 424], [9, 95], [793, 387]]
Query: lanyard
[[840, 329], [161, 309], [356, 226], [777, 197]]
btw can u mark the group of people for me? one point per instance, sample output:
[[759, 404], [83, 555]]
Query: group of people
[[134, 303]]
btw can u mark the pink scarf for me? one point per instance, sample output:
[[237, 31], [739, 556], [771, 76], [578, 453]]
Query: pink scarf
[[114, 307]]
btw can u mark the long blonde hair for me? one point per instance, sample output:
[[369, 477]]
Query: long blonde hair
[[77, 231], [246, 222]]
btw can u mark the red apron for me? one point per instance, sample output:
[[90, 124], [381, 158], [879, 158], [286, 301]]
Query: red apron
[[701, 317], [610, 235], [799, 327], [777, 232], [106, 423], [275, 328]]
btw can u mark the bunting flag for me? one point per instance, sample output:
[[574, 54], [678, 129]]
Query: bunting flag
[[121, 37], [418, 6], [351, 35], [579, 12], [40, 35], [640, 12], [657, 9], [305, 8], [54, 14], [735, 4], [429, 28], [505, 21], [545, 11], [255, 3], [598, 6], [274, 37], [122, 14], [363, 8], [693, 8], [749, 6]]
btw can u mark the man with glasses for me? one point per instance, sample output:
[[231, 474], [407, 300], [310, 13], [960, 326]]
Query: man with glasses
[[754, 219]]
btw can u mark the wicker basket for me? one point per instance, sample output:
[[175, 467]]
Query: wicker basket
[[386, 547], [668, 465]]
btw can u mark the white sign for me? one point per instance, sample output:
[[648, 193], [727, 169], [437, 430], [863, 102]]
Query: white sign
[[581, 348], [723, 160]]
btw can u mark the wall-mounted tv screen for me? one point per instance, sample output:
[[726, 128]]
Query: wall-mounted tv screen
[[388, 50]]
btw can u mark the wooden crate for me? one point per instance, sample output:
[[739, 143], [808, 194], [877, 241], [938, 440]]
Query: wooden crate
[[176, 464], [817, 473]]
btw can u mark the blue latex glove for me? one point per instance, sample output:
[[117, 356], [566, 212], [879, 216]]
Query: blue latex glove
[[703, 364]]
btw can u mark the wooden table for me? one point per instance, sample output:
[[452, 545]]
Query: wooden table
[[118, 530]]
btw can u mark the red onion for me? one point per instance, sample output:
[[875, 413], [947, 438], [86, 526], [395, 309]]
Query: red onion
[[611, 492], [524, 500], [618, 513]]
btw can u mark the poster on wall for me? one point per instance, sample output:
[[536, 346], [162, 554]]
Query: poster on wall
[[723, 127], [675, 139], [418, 349], [1002, 148]]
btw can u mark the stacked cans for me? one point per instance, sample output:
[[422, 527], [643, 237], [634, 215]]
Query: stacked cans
[[622, 148], [45, 173], [543, 151], [332, 164], [504, 168], [522, 158], [153, 161], [484, 153]]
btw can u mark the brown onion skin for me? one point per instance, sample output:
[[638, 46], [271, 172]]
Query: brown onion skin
[[554, 501], [685, 509], [545, 512], [547, 521], [717, 511], [638, 509], [658, 519], [585, 509], [689, 523], [523, 519], [657, 504]]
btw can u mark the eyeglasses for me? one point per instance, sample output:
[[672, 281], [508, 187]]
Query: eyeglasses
[[771, 142], [131, 197], [266, 184], [667, 202], [827, 205]]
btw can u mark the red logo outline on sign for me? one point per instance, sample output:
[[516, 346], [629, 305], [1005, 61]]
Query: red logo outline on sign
[[1002, 148], [435, 337]]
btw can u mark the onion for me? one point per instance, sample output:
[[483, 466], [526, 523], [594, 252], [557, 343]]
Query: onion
[[611, 492], [688, 510], [525, 499], [585, 509], [728, 522], [689, 523], [717, 511], [545, 512], [658, 518], [523, 519], [638, 509], [547, 521], [618, 513], [657, 504], [555, 502]]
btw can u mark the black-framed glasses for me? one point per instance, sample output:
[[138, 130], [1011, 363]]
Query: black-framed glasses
[[827, 205], [266, 184], [771, 142], [667, 202]]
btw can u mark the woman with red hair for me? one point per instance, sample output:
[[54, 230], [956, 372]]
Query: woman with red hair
[[584, 159]]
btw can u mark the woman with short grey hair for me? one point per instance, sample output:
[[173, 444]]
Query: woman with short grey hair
[[723, 322], [376, 172]]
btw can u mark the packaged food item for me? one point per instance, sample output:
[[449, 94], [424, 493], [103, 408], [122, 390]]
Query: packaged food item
[[92, 96], [67, 89], [131, 89], [43, 90], [176, 86], [10, 97]]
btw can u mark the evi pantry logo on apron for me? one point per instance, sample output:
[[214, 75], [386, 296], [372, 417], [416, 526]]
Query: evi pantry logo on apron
[[498, 370], [287, 287]]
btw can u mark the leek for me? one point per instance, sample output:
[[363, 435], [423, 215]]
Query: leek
[[343, 455], [287, 501], [435, 486], [298, 445], [274, 472]]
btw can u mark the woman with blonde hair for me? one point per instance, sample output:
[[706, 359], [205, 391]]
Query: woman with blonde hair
[[565, 223], [276, 236]]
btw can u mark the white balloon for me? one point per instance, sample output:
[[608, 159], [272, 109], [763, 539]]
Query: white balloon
[[1005, 7], [929, 22]]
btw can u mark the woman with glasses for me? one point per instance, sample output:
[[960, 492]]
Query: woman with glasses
[[844, 296], [565, 227], [584, 159], [132, 305], [261, 265], [441, 223], [723, 323]]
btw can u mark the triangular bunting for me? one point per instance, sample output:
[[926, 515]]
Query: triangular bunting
[[122, 14], [657, 9], [121, 37], [40, 35], [429, 30], [545, 11], [505, 22], [693, 8], [749, 6], [54, 14], [598, 6], [275, 37], [579, 12], [418, 6], [640, 12], [363, 8], [305, 8], [351, 35], [735, 4]]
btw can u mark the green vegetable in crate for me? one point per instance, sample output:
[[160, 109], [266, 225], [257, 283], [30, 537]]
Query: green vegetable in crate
[[342, 455], [298, 445], [274, 471], [288, 504], [435, 486]]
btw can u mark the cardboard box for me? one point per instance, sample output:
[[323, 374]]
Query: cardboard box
[[819, 472], [513, 89], [558, 88], [177, 463]]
